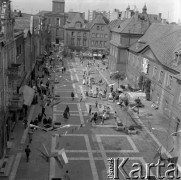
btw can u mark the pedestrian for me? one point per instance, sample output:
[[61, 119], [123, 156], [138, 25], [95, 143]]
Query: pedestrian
[[27, 151], [43, 111], [25, 123], [115, 116], [81, 97], [96, 103], [90, 109], [72, 95], [95, 117], [68, 110], [66, 176]]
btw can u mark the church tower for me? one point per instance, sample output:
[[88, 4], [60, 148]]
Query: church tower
[[144, 9], [58, 6]]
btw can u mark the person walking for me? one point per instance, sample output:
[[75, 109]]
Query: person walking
[[43, 111], [66, 175], [68, 110], [27, 151], [30, 134], [72, 95], [90, 109], [96, 103], [81, 97]]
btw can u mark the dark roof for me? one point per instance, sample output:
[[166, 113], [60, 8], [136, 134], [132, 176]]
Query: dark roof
[[154, 32], [133, 25], [100, 19], [114, 23], [42, 13], [164, 40]]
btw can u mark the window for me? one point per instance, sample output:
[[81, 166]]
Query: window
[[97, 35], [177, 58], [100, 43], [98, 28], [84, 42], [105, 36], [73, 34], [93, 35], [161, 77], [92, 43], [155, 72], [58, 21], [105, 43], [84, 34], [57, 41], [72, 41], [17, 51], [78, 33], [96, 44], [78, 25], [169, 81], [78, 42], [101, 35], [102, 28]]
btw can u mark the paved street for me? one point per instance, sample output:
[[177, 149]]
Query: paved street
[[89, 147]]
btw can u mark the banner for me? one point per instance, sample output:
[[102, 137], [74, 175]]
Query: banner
[[28, 95]]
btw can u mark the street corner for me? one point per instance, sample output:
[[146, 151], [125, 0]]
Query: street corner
[[73, 142], [116, 143], [78, 169]]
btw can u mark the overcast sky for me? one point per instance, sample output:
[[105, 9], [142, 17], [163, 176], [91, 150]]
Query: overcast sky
[[170, 9]]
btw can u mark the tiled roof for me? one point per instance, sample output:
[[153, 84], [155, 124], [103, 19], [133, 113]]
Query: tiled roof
[[165, 47], [42, 13], [115, 23], [100, 19], [132, 25], [164, 40], [75, 19], [154, 32]]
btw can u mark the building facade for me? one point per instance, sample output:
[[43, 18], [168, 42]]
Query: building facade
[[92, 14], [98, 35], [154, 65], [56, 20], [125, 34], [76, 33]]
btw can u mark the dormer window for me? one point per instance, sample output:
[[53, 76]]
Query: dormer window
[[78, 25], [177, 59]]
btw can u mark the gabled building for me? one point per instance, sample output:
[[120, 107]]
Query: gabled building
[[76, 33], [154, 65], [99, 34], [125, 34]]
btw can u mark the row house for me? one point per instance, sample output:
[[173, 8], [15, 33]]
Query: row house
[[126, 33], [154, 65], [7, 54], [76, 33], [99, 34]]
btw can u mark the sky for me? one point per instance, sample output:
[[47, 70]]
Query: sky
[[170, 9]]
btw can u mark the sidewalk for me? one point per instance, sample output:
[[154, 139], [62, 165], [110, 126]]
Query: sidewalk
[[37, 168]]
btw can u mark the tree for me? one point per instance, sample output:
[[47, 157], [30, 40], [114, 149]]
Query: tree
[[119, 76]]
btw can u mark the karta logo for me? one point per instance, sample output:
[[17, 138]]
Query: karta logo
[[116, 166]]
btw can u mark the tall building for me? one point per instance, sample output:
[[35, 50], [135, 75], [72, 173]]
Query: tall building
[[93, 13], [56, 20]]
